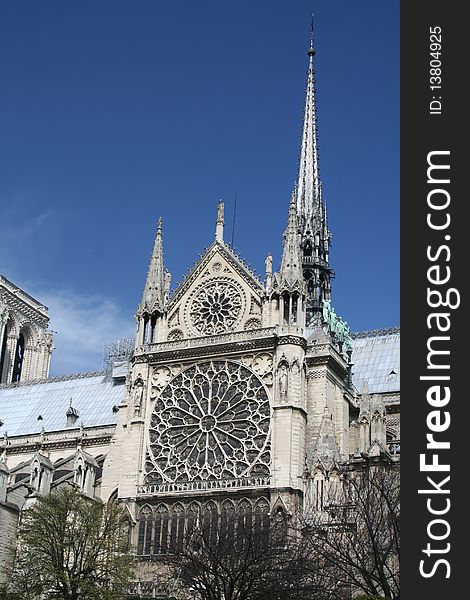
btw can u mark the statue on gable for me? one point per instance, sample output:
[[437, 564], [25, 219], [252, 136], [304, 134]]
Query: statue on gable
[[269, 264]]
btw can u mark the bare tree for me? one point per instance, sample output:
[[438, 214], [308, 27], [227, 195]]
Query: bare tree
[[69, 547], [358, 538], [241, 562]]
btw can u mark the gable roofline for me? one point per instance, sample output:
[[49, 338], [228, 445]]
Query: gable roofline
[[231, 256]]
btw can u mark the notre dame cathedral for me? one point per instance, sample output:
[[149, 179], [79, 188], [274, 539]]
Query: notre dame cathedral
[[240, 393]]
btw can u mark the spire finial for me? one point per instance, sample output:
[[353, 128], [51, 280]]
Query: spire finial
[[311, 50], [153, 296], [291, 261], [219, 228]]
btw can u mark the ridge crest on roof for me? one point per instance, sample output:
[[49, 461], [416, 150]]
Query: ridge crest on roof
[[84, 375], [374, 333]]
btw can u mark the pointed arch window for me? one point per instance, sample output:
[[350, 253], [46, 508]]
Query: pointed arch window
[[280, 525], [227, 524], [244, 524], [161, 530], [153, 326], [210, 523], [261, 521], [3, 354], [319, 490], [145, 531], [177, 529], [19, 358], [145, 329], [192, 520]]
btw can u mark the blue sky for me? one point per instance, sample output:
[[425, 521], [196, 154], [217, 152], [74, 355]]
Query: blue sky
[[113, 113]]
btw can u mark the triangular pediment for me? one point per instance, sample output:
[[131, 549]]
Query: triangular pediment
[[220, 294]]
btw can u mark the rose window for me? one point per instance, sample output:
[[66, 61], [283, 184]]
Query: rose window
[[215, 308], [211, 421]]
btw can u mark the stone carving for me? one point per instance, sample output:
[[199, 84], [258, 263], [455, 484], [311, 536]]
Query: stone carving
[[269, 264], [161, 376], [251, 324], [174, 319], [175, 334], [212, 421], [262, 363], [215, 308], [137, 395], [283, 380], [255, 306]]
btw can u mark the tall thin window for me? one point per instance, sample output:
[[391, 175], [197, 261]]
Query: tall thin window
[[3, 354], [244, 524], [261, 521], [161, 530], [177, 528], [210, 523], [193, 518], [145, 531], [19, 357], [153, 325], [227, 525], [145, 331], [319, 491]]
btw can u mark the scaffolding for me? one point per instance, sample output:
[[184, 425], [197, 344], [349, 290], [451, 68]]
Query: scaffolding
[[118, 352]]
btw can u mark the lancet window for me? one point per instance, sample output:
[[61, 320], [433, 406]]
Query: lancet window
[[163, 528]]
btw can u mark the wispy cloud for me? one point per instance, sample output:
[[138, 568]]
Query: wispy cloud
[[83, 325], [27, 241]]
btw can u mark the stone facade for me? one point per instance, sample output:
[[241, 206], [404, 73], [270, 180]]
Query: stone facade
[[239, 394], [25, 340]]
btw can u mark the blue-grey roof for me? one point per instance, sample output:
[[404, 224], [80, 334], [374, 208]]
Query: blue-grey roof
[[376, 359], [92, 395]]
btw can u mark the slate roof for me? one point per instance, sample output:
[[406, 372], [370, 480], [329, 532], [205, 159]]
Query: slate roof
[[93, 395], [376, 358]]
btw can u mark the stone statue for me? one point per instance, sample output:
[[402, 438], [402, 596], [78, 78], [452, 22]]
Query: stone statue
[[326, 311], [333, 321], [137, 397], [167, 281], [283, 380], [220, 212], [269, 264]]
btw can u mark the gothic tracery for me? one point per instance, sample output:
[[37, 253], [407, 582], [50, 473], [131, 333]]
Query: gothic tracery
[[215, 307], [211, 421]]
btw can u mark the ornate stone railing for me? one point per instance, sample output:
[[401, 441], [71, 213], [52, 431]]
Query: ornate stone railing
[[208, 340], [202, 486], [310, 260], [87, 436]]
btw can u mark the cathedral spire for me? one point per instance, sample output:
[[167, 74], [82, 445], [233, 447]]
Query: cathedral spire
[[308, 183], [153, 296], [311, 207]]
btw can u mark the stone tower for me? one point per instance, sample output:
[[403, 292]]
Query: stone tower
[[238, 394], [25, 340]]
